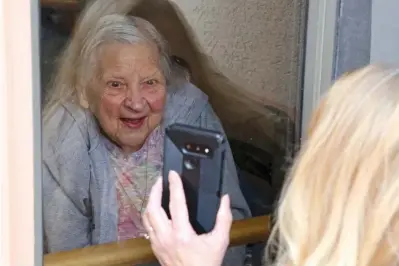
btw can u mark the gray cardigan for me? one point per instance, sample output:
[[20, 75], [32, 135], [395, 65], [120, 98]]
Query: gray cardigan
[[80, 205]]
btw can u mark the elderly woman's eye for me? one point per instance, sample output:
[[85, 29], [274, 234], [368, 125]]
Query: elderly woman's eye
[[151, 82], [114, 84]]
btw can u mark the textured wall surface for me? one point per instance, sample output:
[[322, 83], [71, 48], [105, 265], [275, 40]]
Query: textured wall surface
[[254, 43]]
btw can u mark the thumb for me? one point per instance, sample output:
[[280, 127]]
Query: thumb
[[224, 219]]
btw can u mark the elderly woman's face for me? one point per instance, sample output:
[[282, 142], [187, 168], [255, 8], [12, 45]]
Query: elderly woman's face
[[129, 93]]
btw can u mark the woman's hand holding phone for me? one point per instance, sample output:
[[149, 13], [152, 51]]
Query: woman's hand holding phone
[[174, 242]]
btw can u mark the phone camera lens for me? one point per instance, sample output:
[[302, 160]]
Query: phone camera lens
[[189, 164]]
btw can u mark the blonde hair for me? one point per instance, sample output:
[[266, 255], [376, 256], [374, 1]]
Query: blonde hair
[[340, 203], [103, 21]]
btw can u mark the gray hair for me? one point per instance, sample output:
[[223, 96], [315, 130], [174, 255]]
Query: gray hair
[[103, 21]]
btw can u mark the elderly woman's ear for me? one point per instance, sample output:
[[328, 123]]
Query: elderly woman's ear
[[181, 69]]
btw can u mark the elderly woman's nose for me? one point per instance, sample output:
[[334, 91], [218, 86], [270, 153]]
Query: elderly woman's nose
[[135, 99]]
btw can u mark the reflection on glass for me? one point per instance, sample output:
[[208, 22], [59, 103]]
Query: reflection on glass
[[116, 84]]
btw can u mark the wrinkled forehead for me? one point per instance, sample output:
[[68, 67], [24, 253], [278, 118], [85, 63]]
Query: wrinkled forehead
[[126, 59]]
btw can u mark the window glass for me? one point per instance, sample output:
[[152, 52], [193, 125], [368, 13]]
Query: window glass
[[246, 58]]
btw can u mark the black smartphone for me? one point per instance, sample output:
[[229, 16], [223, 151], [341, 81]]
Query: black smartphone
[[197, 155]]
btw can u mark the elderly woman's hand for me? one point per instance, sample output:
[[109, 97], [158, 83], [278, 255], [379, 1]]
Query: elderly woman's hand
[[174, 241]]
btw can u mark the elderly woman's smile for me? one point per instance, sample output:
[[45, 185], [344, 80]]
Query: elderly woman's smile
[[129, 95], [133, 123]]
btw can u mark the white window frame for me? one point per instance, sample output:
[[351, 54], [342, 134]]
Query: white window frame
[[20, 119], [20, 134], [319, 55]]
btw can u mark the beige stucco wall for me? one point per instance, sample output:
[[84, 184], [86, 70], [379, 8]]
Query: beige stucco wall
[[253, 43]]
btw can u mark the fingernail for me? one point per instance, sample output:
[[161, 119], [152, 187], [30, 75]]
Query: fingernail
[[173, 175], [226, 199]]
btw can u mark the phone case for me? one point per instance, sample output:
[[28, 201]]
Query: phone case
[[201, 172]]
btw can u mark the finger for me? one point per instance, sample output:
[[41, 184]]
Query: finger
[[155, 197], [160, 250], [224, 219], [157, 218], [150, 230], [178, 206]]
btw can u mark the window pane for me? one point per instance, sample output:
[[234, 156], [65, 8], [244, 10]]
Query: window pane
[[246, 57]]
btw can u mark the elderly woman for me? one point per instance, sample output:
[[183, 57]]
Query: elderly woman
[[114, 93]]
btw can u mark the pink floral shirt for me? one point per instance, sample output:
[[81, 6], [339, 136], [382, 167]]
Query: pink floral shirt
[[135, 175]]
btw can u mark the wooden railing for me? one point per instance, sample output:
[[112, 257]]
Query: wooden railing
[[138, 251]]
